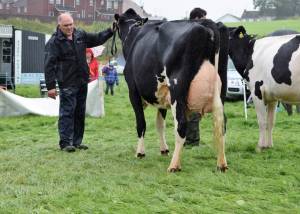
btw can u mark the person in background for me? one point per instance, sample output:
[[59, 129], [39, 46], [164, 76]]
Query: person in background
[[193, 131], [65, 62], [93, 65], [110, 77]]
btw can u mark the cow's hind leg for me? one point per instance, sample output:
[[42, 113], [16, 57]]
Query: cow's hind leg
[[179, 129], [160, 126], [219, 130], [137, 105]]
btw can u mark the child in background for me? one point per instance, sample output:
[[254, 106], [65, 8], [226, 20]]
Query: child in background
[[111, 77], [93, 65]]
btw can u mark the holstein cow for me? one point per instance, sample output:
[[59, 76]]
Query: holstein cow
[[271, 66], [166, 63], [288, 107]]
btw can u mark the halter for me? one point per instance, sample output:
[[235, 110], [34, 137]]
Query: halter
[[117, 29]]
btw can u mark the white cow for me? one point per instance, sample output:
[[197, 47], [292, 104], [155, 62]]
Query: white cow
[[271, 66]]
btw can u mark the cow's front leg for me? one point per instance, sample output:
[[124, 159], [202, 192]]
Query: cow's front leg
[[178, 112], [160, 126], [270, 123], [261, 112], [137, 105]]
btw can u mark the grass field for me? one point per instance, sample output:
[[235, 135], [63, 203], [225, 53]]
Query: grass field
[[36, 177], [263, 28]]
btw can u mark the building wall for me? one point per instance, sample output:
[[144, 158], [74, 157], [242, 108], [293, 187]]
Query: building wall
[[37, 8], [45, 9]]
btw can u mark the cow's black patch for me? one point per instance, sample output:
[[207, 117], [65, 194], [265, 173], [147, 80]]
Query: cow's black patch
[[281, 72], [161, 78], [248, 67], [257, 91]]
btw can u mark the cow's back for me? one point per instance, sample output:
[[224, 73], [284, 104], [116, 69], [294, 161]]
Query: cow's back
[[163, 50], [276, 67]]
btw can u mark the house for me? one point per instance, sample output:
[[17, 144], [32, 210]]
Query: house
[[228, 18], [47, 10], [251, 16]]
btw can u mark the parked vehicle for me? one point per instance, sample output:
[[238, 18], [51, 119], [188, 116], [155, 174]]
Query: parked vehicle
[[235, 87]]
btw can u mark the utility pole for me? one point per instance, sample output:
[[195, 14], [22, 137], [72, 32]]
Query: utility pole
[[95, 10]]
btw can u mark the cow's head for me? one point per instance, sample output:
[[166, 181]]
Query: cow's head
[[240, 48], [127, 21]]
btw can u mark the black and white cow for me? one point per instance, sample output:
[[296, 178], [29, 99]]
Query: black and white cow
[[271, 66], [162, 61]]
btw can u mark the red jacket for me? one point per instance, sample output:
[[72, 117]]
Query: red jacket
[[93, 65]]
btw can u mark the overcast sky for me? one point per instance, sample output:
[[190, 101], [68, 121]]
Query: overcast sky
[[175, 9]]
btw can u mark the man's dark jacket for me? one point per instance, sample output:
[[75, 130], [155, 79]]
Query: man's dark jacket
[[65, 60]]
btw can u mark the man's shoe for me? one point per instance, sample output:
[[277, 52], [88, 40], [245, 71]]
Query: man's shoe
[[68, 149], [81, 146]]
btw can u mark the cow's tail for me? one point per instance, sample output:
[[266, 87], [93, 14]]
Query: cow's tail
[[198, 48], [218, 125]]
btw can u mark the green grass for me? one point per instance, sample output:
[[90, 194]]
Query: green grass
[[263, 28], [36, 177]]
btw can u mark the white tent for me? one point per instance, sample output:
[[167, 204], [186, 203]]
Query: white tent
[[14, 105]]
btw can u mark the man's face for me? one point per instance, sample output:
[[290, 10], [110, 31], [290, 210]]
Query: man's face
[[66, 25]]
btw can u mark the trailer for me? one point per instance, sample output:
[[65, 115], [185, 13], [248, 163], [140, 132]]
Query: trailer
[[21, 56]]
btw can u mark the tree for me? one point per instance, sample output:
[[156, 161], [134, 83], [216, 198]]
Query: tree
[[282, 8]]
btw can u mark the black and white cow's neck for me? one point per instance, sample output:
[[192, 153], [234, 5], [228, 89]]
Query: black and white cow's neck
[[127, 33]]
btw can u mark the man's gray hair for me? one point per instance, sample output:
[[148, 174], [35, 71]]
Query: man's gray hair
[[63, 14]]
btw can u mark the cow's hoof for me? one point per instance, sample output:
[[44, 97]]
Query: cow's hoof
[[262, 148], [222, 168], [176, 169], [140, 155], [165, 152]]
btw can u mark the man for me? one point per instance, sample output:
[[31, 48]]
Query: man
[[65, 62], [192, 131]]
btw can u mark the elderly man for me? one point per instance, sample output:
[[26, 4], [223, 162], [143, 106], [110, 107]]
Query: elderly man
[[65, 62]]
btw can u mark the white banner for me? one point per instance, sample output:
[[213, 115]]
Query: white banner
[[14, 105]]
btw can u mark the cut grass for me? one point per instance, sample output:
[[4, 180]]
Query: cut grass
[[36, 177]]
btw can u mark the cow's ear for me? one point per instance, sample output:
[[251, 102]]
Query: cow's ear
[[145, 20], [130, 11], [117, 17], [240, 32]]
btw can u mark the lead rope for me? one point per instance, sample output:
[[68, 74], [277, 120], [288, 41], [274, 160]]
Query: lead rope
[[113, 43]]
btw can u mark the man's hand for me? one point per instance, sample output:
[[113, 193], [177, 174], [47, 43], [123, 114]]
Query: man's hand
[[52, 93]]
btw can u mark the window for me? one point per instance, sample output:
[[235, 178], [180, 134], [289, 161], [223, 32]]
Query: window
[[51, 13], [51, 1], [109, 5], [77, 2], [78, 15], [6, 51], [116, 5], [58, 2], [25, 9], [7, 6], [102, 2], [19, 10], [1, 6], [91, 3]]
